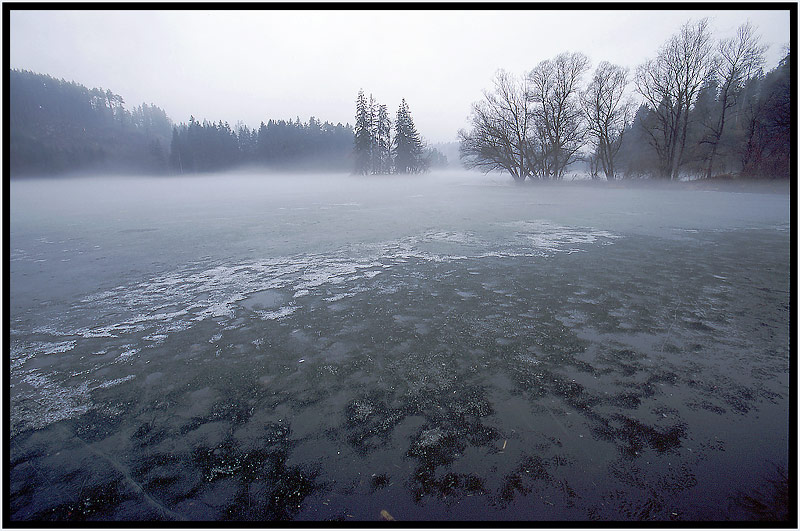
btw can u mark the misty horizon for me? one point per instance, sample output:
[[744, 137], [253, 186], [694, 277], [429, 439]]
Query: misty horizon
[[177, 74]]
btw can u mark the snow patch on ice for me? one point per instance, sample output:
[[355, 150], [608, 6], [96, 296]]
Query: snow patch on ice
[[277, 314], [157, 307], [128, 352], [114, 382], [104, 331], [154, 308], [550, 237], [47, 402], [451, 236], [58, 348]]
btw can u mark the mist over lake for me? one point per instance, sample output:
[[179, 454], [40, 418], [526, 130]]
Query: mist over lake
[[250, 346]]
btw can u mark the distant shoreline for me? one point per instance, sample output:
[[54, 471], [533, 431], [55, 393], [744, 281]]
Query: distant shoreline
[[713, 184]]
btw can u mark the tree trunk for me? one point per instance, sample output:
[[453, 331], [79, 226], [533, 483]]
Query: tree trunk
[[677, 164], [717, 134]]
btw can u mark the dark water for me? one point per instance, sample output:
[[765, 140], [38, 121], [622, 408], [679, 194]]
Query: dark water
[[244, 348]]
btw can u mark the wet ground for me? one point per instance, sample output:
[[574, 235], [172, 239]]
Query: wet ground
[[423, 350]]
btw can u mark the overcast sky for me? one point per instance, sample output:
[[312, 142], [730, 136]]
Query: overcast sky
[[256, 65]]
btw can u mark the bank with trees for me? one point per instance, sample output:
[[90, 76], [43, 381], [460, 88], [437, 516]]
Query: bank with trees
[[700, 107]]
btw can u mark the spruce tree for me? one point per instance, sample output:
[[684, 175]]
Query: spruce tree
[[363, 136], [408, 146], [383, 142], [373, 136]]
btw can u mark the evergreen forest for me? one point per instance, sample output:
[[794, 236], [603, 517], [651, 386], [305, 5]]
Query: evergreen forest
[[60, 127]]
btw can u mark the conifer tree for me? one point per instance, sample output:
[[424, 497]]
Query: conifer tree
[[383, 142], [374, 162], [363, 136], [408, 146]]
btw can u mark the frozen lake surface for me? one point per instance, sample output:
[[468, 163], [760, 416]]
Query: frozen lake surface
[[244, 347]]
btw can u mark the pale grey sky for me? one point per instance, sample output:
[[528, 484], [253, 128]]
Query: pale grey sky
[[256, 65]]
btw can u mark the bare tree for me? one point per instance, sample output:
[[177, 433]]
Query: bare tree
[[739, 58], [670, 84], [608, 113], [499, 138], [553, 89]]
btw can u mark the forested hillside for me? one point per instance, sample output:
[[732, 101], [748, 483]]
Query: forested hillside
[[60, 126]]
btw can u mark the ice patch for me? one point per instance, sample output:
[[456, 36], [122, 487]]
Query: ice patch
[[114, 382], [528, 358], [47, 402], [18, 254], [22, 351], [551, 237], [277, 314], [97, 332], [263, 299], [19, 353], [450, 236], [128, 353], [430, 437], [49, 330], [157, 307], [58, 348]]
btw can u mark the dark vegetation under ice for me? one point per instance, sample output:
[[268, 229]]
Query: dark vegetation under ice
[[448, 348]]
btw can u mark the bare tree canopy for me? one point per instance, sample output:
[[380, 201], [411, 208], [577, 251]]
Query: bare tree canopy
[[670, 84], [608, 113], [739, 58], [553, 89], [501, 123], [706, 109]]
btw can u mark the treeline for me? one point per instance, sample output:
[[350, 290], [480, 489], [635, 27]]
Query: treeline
[[707, 109], [377, 150], [58, 126], [278, 144]]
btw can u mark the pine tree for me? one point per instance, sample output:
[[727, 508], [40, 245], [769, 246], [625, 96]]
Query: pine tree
[[383, 140], [408, 146], [363, 137], [373, 136]]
